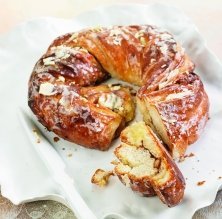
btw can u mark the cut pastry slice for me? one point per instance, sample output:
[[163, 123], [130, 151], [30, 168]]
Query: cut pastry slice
[[146, 167], [177, 113]]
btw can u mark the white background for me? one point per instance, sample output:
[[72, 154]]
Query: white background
[[206, 14]]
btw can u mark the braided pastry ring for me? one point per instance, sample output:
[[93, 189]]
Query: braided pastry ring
[[65, 96]]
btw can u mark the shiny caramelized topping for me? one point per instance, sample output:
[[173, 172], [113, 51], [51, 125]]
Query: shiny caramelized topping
[[66, 94]]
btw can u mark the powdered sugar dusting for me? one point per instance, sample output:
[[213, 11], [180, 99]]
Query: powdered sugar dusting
[[94, 124], [201, 124], [169, 78], [179, 95]]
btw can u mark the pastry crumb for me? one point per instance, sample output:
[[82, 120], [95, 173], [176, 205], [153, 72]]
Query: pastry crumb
[[181, 159], [220, 177], [56, 139], [191, 155], [201, 183], [114, 162], [38, 140], [69, 155], [185, 156], [101, 177]]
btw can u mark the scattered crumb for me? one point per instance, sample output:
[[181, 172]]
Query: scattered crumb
[[201, 183], [185, 156], [114, 162], [101, 177], [69, 155], [56, 139], [191, 155], [63, 149], [198, 160], [38, 140], [186, 178], [181, 159], [220, 177]]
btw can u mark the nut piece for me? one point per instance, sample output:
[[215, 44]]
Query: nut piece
[[111, 101], [101, 177]]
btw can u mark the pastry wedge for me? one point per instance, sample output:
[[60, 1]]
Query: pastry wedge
[[146, 166]]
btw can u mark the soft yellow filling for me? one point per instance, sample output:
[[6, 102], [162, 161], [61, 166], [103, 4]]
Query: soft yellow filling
[[141, 159]]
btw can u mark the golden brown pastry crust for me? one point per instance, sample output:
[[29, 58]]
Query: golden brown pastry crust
[[143, 55], [60, 97]]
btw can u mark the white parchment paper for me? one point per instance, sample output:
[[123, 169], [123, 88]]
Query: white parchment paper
[[23, 176]]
